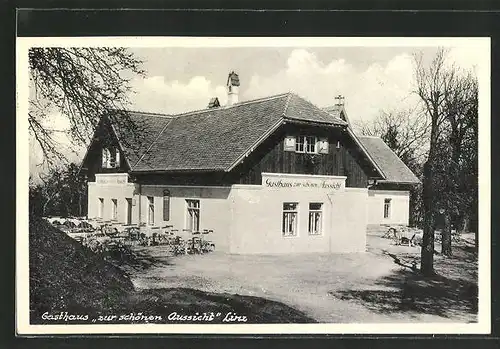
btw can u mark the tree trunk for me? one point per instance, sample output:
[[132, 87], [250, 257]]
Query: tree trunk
[[465, 223], [44, 207], [80, 205], [427, 252], [446, 234], [476, 239]]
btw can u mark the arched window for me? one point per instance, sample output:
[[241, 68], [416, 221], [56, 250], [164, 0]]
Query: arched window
[[166, 205]]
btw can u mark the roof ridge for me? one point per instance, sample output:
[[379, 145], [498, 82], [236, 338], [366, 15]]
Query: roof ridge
[[199, 111], [285, 109], [160, 115]]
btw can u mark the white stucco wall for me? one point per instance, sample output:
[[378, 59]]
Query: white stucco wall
[[247, 219], [214, 206], [109, 191], [257, 211], [257, 221], [214, 209], [350, 216], [399, 210]]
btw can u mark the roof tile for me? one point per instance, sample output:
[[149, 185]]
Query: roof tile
[[215, 138], [393, 167]]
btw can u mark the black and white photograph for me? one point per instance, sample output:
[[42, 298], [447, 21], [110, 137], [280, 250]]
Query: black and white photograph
[[253, 185]]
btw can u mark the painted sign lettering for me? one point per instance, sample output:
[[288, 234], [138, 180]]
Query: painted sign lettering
[[294, 183]]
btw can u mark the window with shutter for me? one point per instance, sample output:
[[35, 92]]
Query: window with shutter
[[289, 144], [323, 146], [306, 144]]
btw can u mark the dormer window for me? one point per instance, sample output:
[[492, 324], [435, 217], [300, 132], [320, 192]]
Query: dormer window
[[110, 158], [306, 144]]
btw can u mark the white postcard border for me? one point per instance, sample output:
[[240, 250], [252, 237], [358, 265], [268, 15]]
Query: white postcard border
[[23, 327]]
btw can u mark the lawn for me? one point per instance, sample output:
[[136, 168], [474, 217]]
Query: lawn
[[376, 286]]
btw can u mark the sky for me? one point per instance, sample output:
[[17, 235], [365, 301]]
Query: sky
[[371, 79]]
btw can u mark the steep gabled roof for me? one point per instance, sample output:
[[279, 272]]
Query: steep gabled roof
[[216, 139], [393, 167]]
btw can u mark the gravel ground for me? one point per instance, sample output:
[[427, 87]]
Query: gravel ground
[[332, 288]]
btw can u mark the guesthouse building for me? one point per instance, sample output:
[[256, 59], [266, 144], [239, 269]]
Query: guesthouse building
[[271, 175]]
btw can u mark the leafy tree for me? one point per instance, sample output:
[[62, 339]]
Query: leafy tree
[[61, 193], [82, 84]]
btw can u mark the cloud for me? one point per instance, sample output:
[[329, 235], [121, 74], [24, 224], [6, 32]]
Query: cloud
[[366, 91], [379, 86], [155, 94]]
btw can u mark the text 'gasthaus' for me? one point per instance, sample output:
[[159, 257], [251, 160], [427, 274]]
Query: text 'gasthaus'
[[301, 184]]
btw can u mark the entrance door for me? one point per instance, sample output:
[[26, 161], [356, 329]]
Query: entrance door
[[129, 211]]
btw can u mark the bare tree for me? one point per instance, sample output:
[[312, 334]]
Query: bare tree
[[406, 132], [461, 107], [83, 84], [432, 82], [449, 97]]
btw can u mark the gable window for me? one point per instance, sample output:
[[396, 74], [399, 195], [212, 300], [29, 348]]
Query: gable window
[[110, 158], [306, 144], [106, 158], [193, 215], [387, 208], [151, 210], [117, 158], [315, 218], [289, 223], [166, 205]]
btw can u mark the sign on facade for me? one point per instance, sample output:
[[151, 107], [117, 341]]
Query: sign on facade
[[114, 178], [289, 181]]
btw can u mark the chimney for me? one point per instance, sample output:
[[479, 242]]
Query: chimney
[[214, 103], [233, 85]]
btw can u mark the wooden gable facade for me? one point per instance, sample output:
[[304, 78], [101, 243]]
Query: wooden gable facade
[[344, 158], [104, 138]]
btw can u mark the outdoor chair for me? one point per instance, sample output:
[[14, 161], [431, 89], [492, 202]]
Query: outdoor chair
[[195, 243], [207, 245], [179, 246]]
